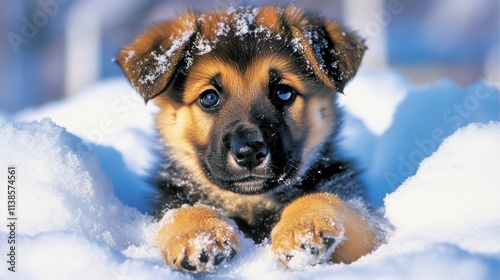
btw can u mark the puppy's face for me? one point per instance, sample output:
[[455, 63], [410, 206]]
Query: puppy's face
[[246, 95]]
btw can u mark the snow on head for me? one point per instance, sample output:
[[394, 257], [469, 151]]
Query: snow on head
[[202, 45], [239, 22], [222, 29], [244, 20]]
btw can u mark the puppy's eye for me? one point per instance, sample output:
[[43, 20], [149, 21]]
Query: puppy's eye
[[284, 94], [209, 99]]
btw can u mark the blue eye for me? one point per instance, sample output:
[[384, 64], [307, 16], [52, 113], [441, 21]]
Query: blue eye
[[284, 93], [209, 99]]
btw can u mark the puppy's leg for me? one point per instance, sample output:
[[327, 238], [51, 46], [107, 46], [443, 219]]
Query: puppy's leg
[[321, 227], [196, 238]]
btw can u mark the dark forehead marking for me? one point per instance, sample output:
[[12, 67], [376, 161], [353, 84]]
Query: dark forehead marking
[[274, 75], [216, 82]]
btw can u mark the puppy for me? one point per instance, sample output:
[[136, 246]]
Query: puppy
[[248, 119]]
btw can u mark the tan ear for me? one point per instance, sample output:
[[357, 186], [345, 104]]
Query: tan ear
[[334, 52], [153, 59]]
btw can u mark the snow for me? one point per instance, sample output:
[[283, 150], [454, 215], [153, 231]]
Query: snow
[[413, 123], [467, 210], [376, 99], [81, 191], [163, 60], [244, 20], [202, 45]]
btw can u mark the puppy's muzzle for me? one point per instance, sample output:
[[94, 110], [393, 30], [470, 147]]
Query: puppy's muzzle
[[246, 146], [249, 153]]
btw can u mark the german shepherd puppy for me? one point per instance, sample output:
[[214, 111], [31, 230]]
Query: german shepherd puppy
[[248, 119]]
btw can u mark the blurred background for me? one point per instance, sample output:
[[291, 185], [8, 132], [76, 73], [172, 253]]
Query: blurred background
[[50, 49]]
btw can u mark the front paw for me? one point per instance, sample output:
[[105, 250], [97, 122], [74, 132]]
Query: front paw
[[197, 239], [302, 241], [318, 228]]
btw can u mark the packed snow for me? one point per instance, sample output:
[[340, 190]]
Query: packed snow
[[431, 160]]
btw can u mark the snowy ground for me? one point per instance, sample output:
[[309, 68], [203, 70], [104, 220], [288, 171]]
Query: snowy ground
[[431, 157]]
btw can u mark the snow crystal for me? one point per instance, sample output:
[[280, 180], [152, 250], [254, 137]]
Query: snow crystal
[[319, 45], [244, 20], [231, 10], [303, 259], [163, 60], [202, 18], [163, 64], [223, 29], [202, 241], [129, 56], [297, 45], [202, 45]]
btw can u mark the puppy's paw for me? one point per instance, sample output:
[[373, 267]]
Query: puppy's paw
[[302, 241], [201, 250], [320, 227], [197, 239]]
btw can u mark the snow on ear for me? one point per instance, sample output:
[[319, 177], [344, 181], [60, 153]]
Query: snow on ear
[[347, 52], [152, 61], [334, 52]]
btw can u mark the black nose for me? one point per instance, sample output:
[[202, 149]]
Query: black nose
[[249, 154]]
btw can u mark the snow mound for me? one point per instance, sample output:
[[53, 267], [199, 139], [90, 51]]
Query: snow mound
[[62, 186], [119, 123], [61, 255], [459, 187], [67, 211], [419, 122]]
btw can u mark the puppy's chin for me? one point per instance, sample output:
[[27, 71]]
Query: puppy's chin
[[248, 186]]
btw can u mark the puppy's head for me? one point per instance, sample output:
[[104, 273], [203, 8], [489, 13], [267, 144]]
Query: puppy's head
[[246, 94]]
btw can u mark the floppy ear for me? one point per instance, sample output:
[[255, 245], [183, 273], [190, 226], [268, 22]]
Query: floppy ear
[[155, 57], [334, 52]]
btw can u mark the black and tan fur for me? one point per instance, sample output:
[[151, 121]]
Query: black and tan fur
[[270, 165]]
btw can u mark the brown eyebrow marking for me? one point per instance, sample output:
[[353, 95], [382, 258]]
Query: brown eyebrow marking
[[216, 82]]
